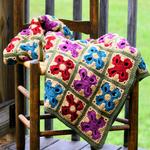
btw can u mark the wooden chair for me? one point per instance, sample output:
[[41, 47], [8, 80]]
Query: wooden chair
[[36, 68]]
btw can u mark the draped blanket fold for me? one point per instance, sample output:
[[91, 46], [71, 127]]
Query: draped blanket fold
[[87, 81]]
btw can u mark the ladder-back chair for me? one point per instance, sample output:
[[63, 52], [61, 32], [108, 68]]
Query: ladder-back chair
[[36, 69]]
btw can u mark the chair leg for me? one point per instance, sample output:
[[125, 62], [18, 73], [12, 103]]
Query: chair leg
[[133, 120], [19, 104], [34, 106]]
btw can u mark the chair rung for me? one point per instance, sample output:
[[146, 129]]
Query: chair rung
[[120, 127], [24, 120], [121, 120], [56, 132], [24, 91], [44, 116]]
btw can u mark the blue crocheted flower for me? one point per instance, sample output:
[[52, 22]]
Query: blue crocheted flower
[[108, 96], [95, 56], [28, 47], [142, 64], [51, 93], [67, 31]]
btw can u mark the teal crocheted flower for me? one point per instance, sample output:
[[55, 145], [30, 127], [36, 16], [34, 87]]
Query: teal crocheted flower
[[108, 96], [142, 64], [31, 48], [95, 55], [51, 93]]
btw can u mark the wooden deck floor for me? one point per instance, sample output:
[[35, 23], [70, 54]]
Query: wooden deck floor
[[57, 144]]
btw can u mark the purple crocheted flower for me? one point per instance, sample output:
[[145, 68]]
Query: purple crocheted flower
[[122, 43], [48, 24], [25, 32], [101, 38], [70, 46], [132, 49], [93, 125], [85, 83]]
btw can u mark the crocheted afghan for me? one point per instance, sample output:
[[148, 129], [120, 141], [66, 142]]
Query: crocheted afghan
[[87, 81]]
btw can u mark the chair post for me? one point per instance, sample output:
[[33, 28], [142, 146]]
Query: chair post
[[19, 104], [133, 119], [94, 18], [34, 106]]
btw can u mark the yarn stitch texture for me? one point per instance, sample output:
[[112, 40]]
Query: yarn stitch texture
[[87, 81]]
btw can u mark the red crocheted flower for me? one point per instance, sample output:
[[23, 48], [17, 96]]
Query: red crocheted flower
[[62, 66], [10, 47], [36, 30], [33, 21], [120, 68], [15, 39], [72, 107], [49, 44]]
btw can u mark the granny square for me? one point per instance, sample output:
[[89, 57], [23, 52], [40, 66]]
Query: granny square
[[87, 81]]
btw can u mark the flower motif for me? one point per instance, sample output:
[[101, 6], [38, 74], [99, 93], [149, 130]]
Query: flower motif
[[30, 48], [36, 30], [67, 31], [15, 39], [120, 68], [142, 64], [10, 47], [109, 36], [62, 66], [25, 32], [93, 125], [49, 44], [48, 24], [72, 108], [132, 49], [108, 96], [51, 93], [122, 43], [85, 83], [95, 56], [70, 46]]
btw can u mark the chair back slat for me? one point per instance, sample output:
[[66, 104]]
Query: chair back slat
[[49, 7], [77, 15], [131, 36], [103, 24], [27, 11]]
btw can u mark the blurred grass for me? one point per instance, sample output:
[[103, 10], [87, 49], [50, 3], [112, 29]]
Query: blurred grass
[[117, 24]]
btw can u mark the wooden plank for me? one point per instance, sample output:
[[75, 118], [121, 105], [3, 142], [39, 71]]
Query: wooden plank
[[77, 15], [6, 33], [103, 27], [66, 145], [78, 26], [105, 147], [133, 117], [49, 7], [119, 127], [34, 103], [18, 15], [24, 120], [19, 103], [94, 18], [4, 120], [132, 23], [44, 143], [56, 132], [27, 11]]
